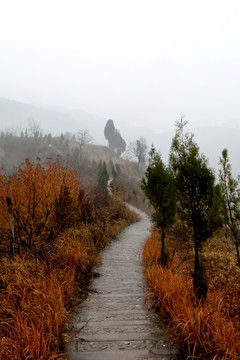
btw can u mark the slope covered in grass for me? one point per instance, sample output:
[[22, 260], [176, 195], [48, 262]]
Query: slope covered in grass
[[209, 330]]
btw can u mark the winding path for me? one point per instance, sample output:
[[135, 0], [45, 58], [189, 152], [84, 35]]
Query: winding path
[[114, 323]]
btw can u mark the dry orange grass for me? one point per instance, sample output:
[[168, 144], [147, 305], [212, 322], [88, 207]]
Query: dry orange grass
[[205, 331], [58, 232], [36, 295]]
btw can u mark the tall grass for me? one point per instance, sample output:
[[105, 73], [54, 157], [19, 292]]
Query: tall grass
[[38, 286], [36, 296], [204, 331]]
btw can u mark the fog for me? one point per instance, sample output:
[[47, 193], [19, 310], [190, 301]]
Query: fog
[[139, 62]]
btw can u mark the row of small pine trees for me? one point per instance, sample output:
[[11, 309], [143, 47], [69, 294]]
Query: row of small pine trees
[[186, 191]]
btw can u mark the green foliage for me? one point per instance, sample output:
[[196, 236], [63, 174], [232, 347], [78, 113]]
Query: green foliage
[[119, 143], [159, 187], [196, 191], [195, 182], [118, 169], [113, 170], [115, 141], [103, 175], [230, 201], [76, 159], [109, 129]]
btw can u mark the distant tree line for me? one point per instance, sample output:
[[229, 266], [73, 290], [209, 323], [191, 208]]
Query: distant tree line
[[104, 175]]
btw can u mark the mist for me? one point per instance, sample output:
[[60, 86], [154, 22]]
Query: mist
[[75, 64], [140, 62]]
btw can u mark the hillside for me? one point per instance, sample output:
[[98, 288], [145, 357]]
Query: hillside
[[55, 120], [14, 150], [14, 114]]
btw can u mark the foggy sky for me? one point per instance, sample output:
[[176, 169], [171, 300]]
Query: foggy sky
[[141, 62]]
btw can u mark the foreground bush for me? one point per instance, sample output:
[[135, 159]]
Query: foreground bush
[[42, 199], [205, 331]]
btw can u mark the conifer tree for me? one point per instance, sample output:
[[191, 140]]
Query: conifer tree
[[159, 187], [231, 202], [115, 141], [103, 175], [196, 193]]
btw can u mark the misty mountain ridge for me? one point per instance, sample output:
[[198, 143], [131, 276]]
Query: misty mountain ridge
[[57, 120], [52, 120]]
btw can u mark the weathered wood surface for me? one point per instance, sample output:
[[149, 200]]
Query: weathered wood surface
[[120, 325]]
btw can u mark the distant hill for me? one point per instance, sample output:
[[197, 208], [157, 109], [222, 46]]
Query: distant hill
[[57, 120], [212, 140], [14, 114]]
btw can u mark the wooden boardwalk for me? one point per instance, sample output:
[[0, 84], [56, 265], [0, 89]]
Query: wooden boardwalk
[[118, 323]]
